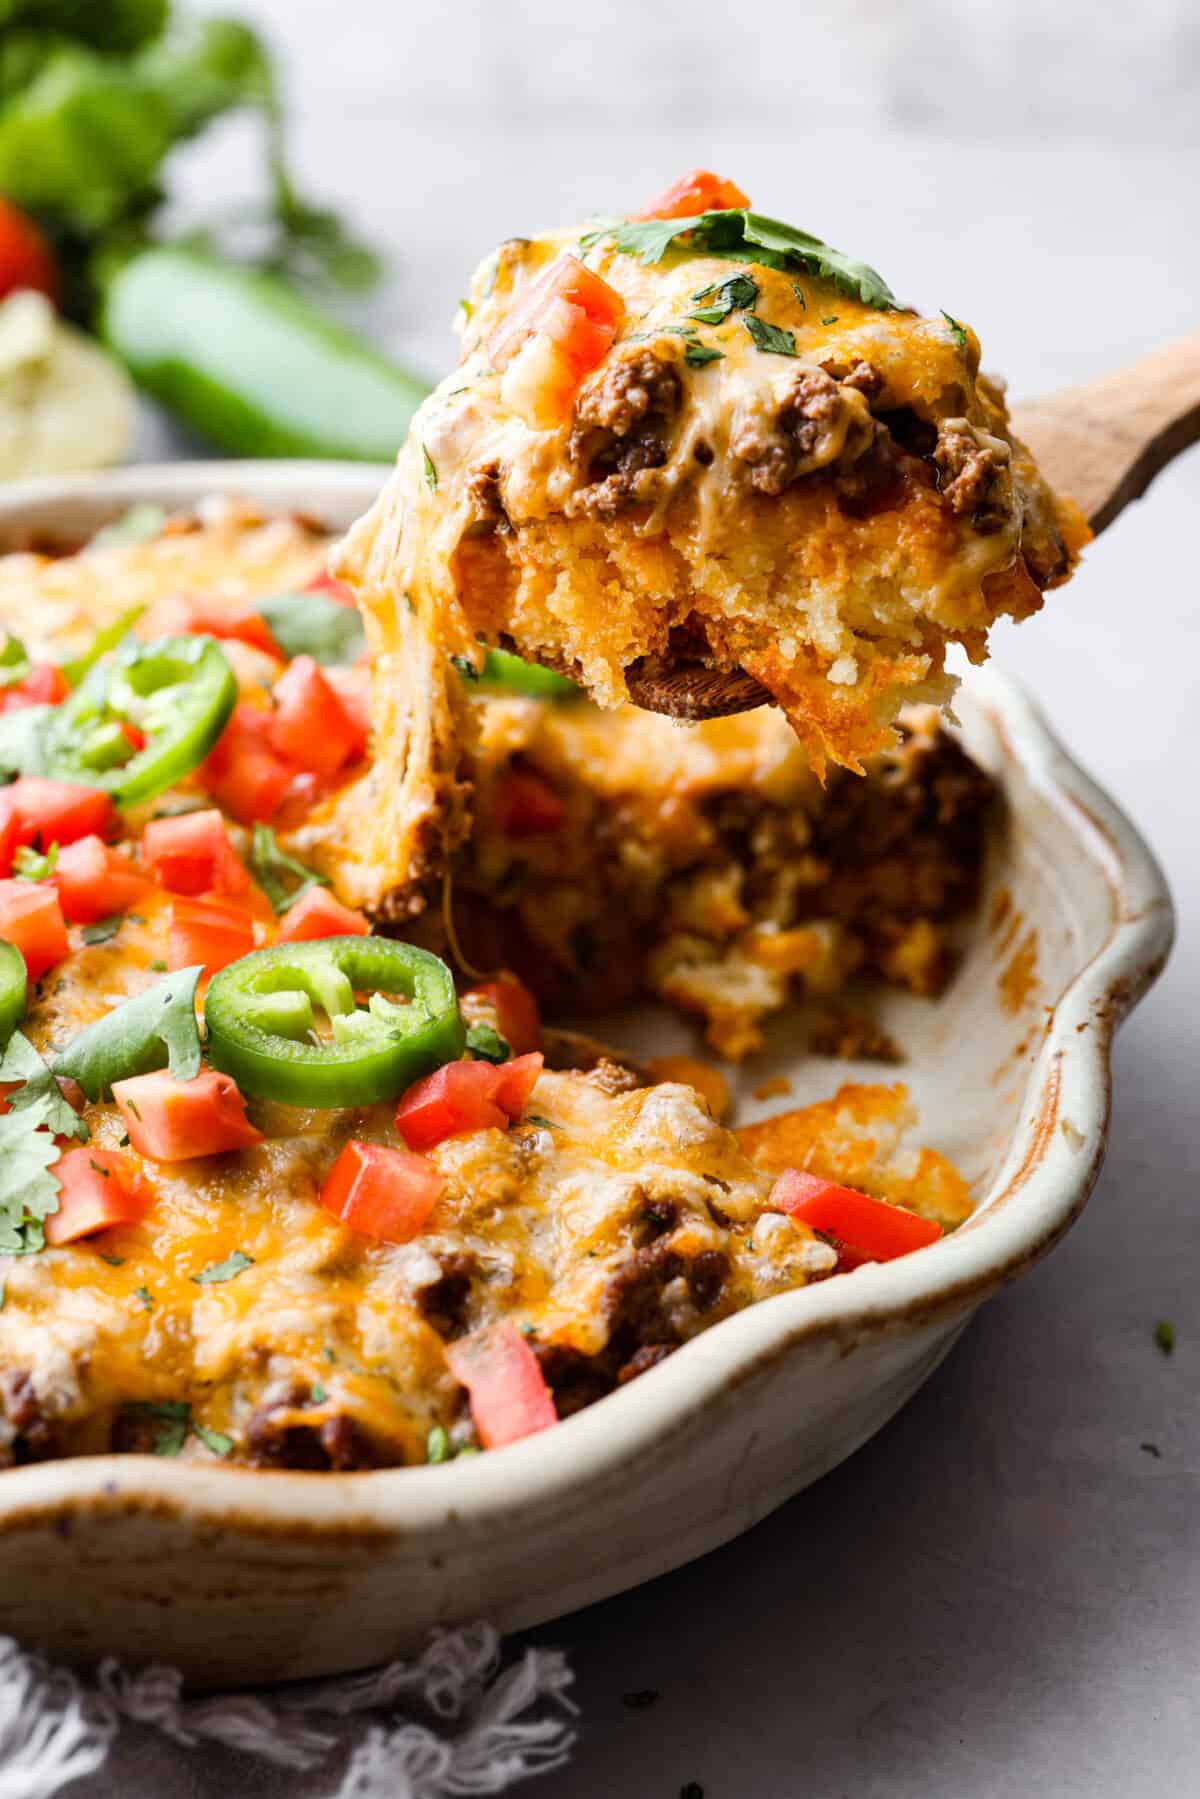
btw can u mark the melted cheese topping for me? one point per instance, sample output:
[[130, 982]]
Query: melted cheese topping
[[612, 1224]]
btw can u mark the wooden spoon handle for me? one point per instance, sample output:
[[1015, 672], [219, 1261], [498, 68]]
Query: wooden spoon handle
[[1103, 443]]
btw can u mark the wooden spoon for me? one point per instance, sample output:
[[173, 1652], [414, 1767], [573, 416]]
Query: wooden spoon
[[1102, 443]]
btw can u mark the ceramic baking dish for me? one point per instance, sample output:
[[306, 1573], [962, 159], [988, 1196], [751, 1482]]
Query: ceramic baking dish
[[247, 1576]]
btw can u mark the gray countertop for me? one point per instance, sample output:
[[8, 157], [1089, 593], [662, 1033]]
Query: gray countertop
[[998, 1596]]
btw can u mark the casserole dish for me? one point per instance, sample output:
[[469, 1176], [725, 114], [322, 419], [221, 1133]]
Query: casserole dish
[[250, 1576]]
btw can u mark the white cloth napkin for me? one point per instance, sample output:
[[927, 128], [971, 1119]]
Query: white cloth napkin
[[454, 1722]]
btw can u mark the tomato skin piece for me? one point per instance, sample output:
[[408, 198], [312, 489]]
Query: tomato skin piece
[[318, 914], [44, 685], [526, 805], [517, 1017], [192, 854], [176, 1121], [505, 1385], [696, 192], [209, 931], [26, 259], [244, 772], [383, 1193], [100, 1188], [95, 881], [244, 627], [869, 1229], [566, 279], [466, 1096], [337, 590], [48, 811], [310, 727], [31, 918]]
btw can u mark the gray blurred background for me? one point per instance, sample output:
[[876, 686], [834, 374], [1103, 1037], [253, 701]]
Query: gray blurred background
[[999, 1596]]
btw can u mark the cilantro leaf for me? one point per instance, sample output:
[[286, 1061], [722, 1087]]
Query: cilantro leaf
[[103, 930], [271, 864], [30, 865], [744, 236], [172, 1419], [155, 1029], [140, 523], [216, 1440], [430, 469], [698, 355], [739, 293], [487, 1045], [772, 339], [28, 1191], [14, 661], [314, 624], [958, 332], [227, 1270], [39, 1095]]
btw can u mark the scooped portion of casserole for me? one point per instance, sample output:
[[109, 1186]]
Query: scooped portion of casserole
[[274, 1188], [702, 435]]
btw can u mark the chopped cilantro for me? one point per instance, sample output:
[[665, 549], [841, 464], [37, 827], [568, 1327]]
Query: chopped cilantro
[[437, 1445], [103, 929], [545, 1124], [137, 525], [37, 1112], [739, 293], [172, 1419], [487, 1045], [799, 293], [113, 1261], [957, 331], [101, 1170], [698, 355], [282, 878], [317, 1393], [14, 661], [313, 623], [228, 1270], [430, 469], [146, 1297], [1164, 1336], [465, 667], [329, 1354], [831, 320], [3, 1292], [158, 966], [30, 865], [740, 235], [770, 338], [216, 1440], [155, 1028]]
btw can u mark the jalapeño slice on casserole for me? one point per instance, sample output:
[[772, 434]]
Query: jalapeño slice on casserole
[[13, 986], [144, 719], [261, 1018]]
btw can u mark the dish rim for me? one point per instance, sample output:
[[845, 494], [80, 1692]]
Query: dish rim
[[1039, 1192]]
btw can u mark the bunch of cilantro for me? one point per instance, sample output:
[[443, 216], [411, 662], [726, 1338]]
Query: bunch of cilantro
[[95, 94]]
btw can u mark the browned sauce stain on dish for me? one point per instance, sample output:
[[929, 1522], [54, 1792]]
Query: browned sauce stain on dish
[[1018, 983], [1001, 907], [777, 1086]]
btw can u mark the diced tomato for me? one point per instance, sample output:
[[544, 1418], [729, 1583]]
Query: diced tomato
[[515, 1081], [505, 1385], [465, 1096], [100, 1188], [526, 804], [696, 192], [318, 914], [31, 917], [244, 773], [201, 620], [310, 726], [175, 1121], [337, 590], [558, 332], [95, 881], [49, 812], [380, 1192], [192, 854], [211, 932], [44, 685], [866, 1229], [353, 687], [517, 1018], [26, 259]]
